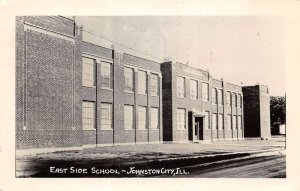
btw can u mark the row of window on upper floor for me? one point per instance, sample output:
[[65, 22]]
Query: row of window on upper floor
[[89, 77], [233, 99]]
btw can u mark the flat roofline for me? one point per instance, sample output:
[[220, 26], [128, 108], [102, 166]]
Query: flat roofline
[[198, 69], [122, 53], [142, 58], [96, 45], [235, 84], [68, 18]]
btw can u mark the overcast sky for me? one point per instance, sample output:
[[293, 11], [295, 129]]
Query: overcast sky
[[245, 49]]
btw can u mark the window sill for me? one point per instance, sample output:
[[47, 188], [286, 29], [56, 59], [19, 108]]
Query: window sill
[[103, 88], [88, 86], [154, 129], [142, 129], [129, 92], [142, 94], [89, 129], [106, 129], [181, 97], [154, 96], [129, 129]]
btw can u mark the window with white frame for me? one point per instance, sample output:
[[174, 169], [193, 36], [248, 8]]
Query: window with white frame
[[228, 98], [154, 118], [234, 99], [128, 117], [142, 82], [106, 116], [142, 117], [181, 119], [106, 75], [128, 74], [229, 122], [154, 84], [206, 120], [88, 115], [205, 92], [238, 100], [194, 89], [88, 72], [180, 87], [241, 101], [240, 122], [214, 121], [220, 97], [214, 96], [234, 122], [220, 120]]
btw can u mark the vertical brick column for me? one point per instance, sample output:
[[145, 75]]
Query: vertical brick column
[[210, 103], [237, 117], [77, 85], [98, 103], [224, 105], [135, 107], [242, 115], [118, 106], [148, 113], [232, 129], [160, 109]]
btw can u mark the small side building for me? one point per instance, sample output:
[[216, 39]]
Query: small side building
[[257, 112]]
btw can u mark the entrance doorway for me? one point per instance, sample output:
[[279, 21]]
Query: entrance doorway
[[195, 127], [199, 128]]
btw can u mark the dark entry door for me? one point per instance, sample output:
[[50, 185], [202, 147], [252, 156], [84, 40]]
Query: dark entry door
[[199, 128]]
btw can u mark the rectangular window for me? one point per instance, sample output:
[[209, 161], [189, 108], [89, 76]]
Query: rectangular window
[[229, 122], [234, 122], [88, 115], [142, 116], [154, 84], [239, 100], [106, 75], [214, 121], [220, 126], [220, 97], [154, 118], [181, 119], [228, 99], [142, 82], [194, 89], [106, 116], [206, 121], [128, 74], [88, 72], [128, 117], [234, 99], [214, 96], [180, 87], [240, 122], [205, 92]]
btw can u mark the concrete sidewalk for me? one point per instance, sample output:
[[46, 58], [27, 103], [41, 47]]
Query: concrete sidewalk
[[146, 156]]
